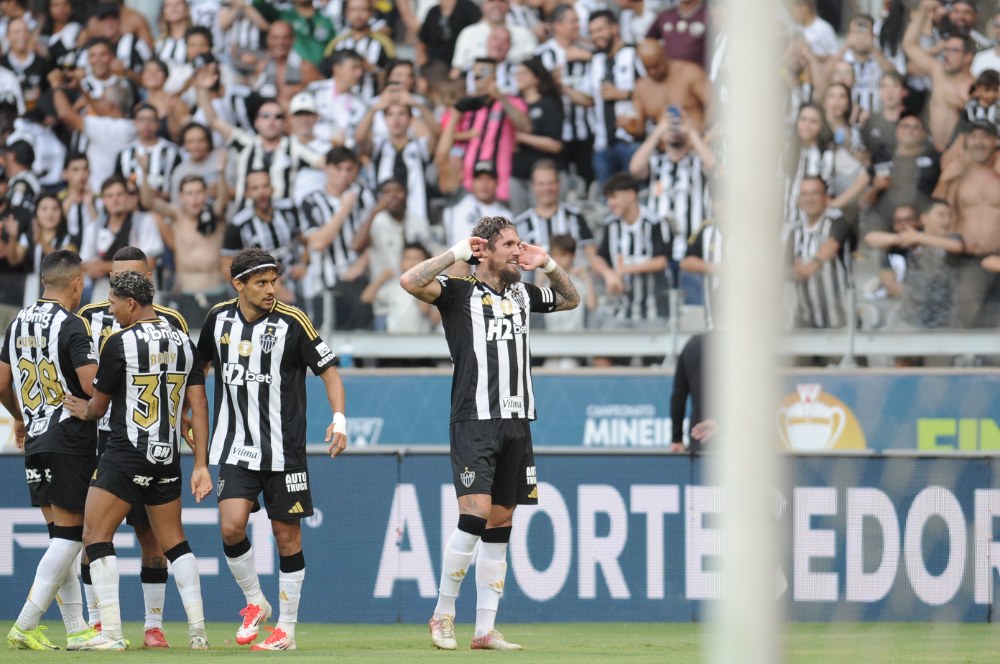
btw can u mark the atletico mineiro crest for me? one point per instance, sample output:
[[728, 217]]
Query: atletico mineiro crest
[[268, 339], [519, 298], [468, 477]]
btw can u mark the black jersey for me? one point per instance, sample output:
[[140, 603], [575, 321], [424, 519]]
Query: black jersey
[[103, 324], [488, 339], [260, 386], [147, 368], [44, 346]]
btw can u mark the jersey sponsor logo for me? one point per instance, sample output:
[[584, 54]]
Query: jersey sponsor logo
[[502, 329], [506, 307], [157, 452], [239, 453], [296, 508], [245, 348], [468, 477], [323, 349], [325, 360], [32, 342], [296, 482], [512, 404], [39, 425], [532, 477], [224, 339], [32, 476], [237, 374], [167, 480], [152, 333], [42, 318], [268, 339], [142, 480]]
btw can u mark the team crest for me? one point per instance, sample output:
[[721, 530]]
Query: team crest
[[468, 477], [222, 484], [506, 307], [245, 348], [268, 339], [518, 296]]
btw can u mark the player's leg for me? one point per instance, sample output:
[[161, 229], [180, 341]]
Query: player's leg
[[153, 576], [287, 499], [165, 520], [491, 568], [107, 505], [68, 596], [93, 612], [237, 492]]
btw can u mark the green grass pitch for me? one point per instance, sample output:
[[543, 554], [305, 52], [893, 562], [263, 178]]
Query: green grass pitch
[[567, 642]]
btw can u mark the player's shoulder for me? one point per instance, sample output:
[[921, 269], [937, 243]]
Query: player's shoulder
[[94, 308], [295, 316], [114, 339], [219, 309], [172, 316]]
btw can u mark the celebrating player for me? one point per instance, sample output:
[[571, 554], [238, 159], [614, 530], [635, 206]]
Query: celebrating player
[[47, 355], [260, 349], [486, 320], [150, 370], [153, 573]]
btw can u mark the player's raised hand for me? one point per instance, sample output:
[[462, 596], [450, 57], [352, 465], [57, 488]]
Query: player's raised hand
[[477, 244], [339, 443], [201, 482], [532, 257]]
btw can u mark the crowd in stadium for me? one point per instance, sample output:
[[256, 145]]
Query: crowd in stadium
[[193, 130]]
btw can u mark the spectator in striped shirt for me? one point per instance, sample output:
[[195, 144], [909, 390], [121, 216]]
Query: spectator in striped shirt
[[164, 156], [868, 62], [984, 105], [373, 45]]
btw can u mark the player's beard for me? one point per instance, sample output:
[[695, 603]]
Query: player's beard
[[509, 274]]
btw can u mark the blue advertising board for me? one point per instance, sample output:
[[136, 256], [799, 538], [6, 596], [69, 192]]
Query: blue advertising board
[[614, 538]]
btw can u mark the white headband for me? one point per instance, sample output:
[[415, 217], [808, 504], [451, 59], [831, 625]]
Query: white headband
[[254, 269]]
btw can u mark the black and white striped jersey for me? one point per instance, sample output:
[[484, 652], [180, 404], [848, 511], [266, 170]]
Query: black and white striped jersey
[[244, 34], [567, 220], [462, 216], [102, 325], [44, 347], [711, 246], [812, 162], [822, 298], [525, 16], [376, 48], [164, 157], [505, 75], [147, 368], [23, 190], [280, 236], [622, 71], [283, 163], [317, 209], [678, 192], [645, 295], [408, 164], [576, 126], [171, 50], [78, 218], [489, 341], [260, 392], [130, 50], [867, 81], [973, 112]]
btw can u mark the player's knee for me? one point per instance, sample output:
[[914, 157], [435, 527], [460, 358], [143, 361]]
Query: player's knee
[[233, 532], [147, 542], [288, 539]]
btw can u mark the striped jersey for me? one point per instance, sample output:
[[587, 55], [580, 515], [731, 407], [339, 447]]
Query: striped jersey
[[147, 368], [102, 325], [812, 162], [376, 48], [576, 74], [408, 164], [24, 189], [505, 75], [622, 70], [279, 236], [488, 338], [678, 191], [567, 220], [711, 246], [44, 347], [260, 391], [130, 50], [645, 296], [822, 298], [164, 157], [867, 81], [172, 50], [317, 209], [282, 163], [973, 112]]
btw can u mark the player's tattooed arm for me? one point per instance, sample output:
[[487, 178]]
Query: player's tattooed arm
[[567, 296], [421, 280]]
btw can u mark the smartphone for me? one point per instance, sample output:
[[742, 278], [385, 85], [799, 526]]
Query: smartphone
[[675, 114]]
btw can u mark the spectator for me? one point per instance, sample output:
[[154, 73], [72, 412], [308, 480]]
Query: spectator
[[128, 47], [198, 46], [155, 74], [440, 30], [471, 43], [635, 19], [545, 110], [303, 116], [50, 232], [313, 30], [132, 22], [283, 73], [550, 217], [373, 45], [340, 108], [819, 34], [15, 242], [705, 255], [58, 33], [497, 49], [928, 298], [951, 77], [816, 261], [984, 105], [684, 31], [401, 81], [98, 75], [119, 226], [990, 57], [670, 83], [31, 69], [893, 270], [614, 70], [164, 156], [807, 155], [78, 197], [799, 65], [175, 19], [405, 314], [563, 250], [245, 37], [848, 178], [632, 258], [569, 63], [880, 128], [390, 228], [867, 61], [584, 10], [23, 185], [201, 160], [522, 13], [963, 17], [904, 176]]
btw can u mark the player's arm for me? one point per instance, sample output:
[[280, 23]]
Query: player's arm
[[336, 433], [534, 257], [421, 281], [8, 398], [201, 480]]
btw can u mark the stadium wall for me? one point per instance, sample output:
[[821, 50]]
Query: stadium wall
[[616, 537]]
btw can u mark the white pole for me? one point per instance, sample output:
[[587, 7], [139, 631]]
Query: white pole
[[747, 619]]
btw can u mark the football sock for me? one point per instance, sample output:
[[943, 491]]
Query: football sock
[[290, 577], [188, 586], [457, 560], [93, 613], [70, 601], [154, 591], [491, 570], [50, 574], [104, 574], [240, 560]]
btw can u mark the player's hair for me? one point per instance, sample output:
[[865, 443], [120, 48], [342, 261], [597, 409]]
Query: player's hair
[[22, 152], [200, 30], [133, 284], [59, 267], [112, 181], [340, 57], [400, 182], [563, 242], [557, 14], [489, 229], [250, 261], [74, 156], [131, 254], [623, 181], [339, 155], [195, 125], [605, 14], [419, 246], [189, 178]]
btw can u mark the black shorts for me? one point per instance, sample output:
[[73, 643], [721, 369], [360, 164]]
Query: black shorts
[[138, 516], [494, 457], [138, 490], [286, 493], [59, 479]]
